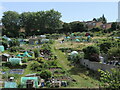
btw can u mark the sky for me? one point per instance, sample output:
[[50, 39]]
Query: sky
[[71, 11]]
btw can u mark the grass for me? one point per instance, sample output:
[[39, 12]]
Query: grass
[[77, 72]]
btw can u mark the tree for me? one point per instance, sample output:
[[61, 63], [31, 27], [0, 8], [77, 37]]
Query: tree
[[94, 19], [10, 21], [102, 19], [112, 79], [91, 53], [77, 27], [66, 28], [40, 22], [114, 26]]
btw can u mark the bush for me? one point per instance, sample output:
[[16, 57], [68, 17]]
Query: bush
[[45, 74], [15, 49], [4, 43], [14, 42], [52, 63], [25, 60], [24, 65], [111, 79], [91, 53], [105, 46], [114, 52], [36, 52], [34, 65]]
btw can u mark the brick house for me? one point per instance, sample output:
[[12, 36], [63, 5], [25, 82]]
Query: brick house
[[106, 26], [93, 24]]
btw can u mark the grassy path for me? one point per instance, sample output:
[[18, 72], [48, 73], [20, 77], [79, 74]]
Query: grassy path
[[76, 72]]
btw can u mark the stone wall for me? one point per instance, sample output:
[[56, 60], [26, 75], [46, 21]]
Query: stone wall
[[96, 65]]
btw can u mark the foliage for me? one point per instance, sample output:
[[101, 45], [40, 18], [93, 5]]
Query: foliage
[[34, 65], [52, 63], [25, 60], [4, 43], [114, 26], [97, 29], [36, 52], [91, 53], [15, 49], [102, 19], [74, 58], [14, 42], [105, 46], [77, 27], [10, 21], [114, 52], [45, 74], [111, 78]]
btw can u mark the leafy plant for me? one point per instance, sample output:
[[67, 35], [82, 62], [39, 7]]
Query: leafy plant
[[34, 65], [45, 74], [91, 53], [112, 79]]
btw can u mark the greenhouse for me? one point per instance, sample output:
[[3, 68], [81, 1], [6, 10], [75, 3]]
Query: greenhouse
[[73, 53], [25, 79], [10, 85], [1, 48], [15, 61]]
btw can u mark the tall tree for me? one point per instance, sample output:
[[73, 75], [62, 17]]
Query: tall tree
[[102, 19], [10, 21], [114, 26], [77, 27]]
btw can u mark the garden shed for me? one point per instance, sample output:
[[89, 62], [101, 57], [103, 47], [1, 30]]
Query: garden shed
[[15, 61], [25, 81], [5, 57], [10, 85], [1, 48]]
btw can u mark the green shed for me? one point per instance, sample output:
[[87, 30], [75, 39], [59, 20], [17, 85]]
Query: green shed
[[15, 61], [25, 79], [1, 48], [10, 85]]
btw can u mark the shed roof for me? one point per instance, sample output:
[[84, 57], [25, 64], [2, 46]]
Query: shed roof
[[10, 85], [15, 61]]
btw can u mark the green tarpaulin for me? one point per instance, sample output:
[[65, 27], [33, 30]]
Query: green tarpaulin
[[24, 80], [19, 55], [25, 54], [10, 85], [67, 37], [1, 48], [77, 40]]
